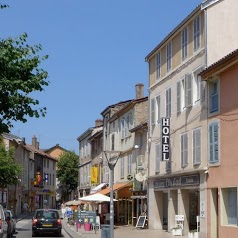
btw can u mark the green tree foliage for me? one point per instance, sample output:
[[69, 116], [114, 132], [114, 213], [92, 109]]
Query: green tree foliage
[[9, 169], [20, 77], [67, 172]]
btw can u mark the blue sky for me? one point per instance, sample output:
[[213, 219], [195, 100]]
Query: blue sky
[[97, 53]]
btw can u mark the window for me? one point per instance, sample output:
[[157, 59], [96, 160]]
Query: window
[[214, 96], [229, 208], [168, 102], [152, 112], [158, 109], [157, 157], [197, 86], [129, 168], [197, 146], [128, 124], [214, 142], [184, 150], [122, 167], [169, 56], [158, 66], [180, 95], [196, 33], [184, 40]]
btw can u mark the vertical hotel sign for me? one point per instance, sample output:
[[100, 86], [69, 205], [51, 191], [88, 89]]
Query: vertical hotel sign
[[94, 175], [165, 138]]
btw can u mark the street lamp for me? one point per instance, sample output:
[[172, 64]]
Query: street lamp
[[111, 164]]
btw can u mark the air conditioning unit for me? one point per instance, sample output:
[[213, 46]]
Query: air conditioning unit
[[140, 161]]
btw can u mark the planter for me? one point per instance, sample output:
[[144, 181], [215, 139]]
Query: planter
[[87, 226], [177, 232], [193, 234]]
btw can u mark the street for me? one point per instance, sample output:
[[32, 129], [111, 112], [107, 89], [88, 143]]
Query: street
[[23, 229]]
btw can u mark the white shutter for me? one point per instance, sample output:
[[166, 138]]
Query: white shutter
[[158, 108], [188, 90], [197, 146], [153, 111], [157, 157], [178, 97]]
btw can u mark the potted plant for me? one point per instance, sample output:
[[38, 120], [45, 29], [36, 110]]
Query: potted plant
[[177, 231], [193, 234]]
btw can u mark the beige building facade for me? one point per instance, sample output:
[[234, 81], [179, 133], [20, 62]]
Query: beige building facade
[[178, 186]]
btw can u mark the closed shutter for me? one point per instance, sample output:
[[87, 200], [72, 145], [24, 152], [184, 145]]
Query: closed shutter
[[188, 90], [157, 157], [178, 97], [197, 146], [153, 111]]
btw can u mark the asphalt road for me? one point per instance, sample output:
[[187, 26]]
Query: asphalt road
[[23, 229]]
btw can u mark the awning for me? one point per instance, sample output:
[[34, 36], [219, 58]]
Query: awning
[[116, 187], [97, 188]]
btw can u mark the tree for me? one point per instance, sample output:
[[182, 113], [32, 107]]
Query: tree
[[20, 77], [67, 172], [9, 169]]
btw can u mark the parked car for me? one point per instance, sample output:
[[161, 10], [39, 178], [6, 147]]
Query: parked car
[[12, 221], [3, 223], [46, 221]]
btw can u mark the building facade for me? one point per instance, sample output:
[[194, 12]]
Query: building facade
[[221, 176], [178, 97]]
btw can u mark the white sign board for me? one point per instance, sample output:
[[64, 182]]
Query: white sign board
[[202, 209], [179, 217]]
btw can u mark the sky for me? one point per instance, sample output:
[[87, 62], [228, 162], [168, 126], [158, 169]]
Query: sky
[[97, 51]]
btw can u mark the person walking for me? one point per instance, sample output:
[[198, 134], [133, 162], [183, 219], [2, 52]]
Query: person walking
[[25, 208]]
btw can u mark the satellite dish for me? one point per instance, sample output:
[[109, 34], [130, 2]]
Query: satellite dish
[[140, 177]]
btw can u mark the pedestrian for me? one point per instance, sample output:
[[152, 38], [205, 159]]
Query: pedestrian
[[25, 208]]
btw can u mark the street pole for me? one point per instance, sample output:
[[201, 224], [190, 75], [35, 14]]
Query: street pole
[[111, 165]]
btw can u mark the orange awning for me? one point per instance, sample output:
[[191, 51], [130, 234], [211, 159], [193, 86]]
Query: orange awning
[[116, 187]]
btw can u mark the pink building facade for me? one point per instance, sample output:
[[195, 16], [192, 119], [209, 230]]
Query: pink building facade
[[222, 173]]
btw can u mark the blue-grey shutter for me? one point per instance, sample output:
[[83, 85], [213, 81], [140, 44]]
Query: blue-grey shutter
[[214, 142], [232, 206]]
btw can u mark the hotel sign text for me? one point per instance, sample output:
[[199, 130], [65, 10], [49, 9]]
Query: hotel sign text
[[178, 181]]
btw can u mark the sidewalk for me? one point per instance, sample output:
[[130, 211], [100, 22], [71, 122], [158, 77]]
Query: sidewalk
[[119, 231]]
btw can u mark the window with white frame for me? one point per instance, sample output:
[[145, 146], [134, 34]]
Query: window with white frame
[[229, 206], [157, 157], [184, 93], [129, 164], [197, 86], [214, 96], [158, 115], [214, 142], [122, 167], [168, 102], [158, 66], [169, 56], [152, 111], [197, 146], [184, 40], [196, 33], [184, 150]]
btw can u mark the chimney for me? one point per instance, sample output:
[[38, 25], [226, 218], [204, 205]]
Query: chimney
[[139, 90], [37, 145], [98, 122], [34, 140]]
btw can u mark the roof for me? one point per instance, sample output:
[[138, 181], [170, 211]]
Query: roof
[[40, 152], [115, 105], [220, 65], [116, 187], [197, 9], [55, 147]]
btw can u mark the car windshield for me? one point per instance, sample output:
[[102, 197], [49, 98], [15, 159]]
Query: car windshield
[[47, 214]]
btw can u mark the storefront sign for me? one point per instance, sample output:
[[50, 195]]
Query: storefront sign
[[165, 138], [178, 181]]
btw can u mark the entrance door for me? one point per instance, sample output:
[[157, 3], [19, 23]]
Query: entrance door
[[214, 213]]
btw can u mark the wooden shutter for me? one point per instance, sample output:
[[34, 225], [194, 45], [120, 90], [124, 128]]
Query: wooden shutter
[[197, 146], [178, 97], [188, 90]]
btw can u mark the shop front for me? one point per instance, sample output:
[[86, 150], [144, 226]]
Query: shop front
[[177, 195]]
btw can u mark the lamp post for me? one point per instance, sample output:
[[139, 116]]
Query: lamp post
[[111, 165]]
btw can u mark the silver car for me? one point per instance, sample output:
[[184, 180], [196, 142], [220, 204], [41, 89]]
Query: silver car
[[3, 223]]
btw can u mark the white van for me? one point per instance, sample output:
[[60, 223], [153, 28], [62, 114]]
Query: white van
[[3, 223]]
